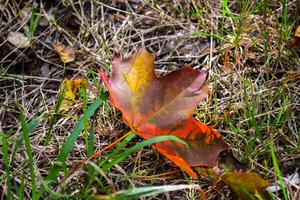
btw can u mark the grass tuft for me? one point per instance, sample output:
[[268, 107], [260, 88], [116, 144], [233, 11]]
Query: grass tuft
[[5, 159]]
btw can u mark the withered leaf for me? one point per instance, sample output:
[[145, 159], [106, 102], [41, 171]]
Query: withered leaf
[[66, 53], [70, 88], [247, 185]]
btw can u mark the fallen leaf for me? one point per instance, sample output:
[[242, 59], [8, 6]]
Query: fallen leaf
[[297, 32], [66, 53], [18, 40], [247, 185], [295, 41], [70, 87], [154, 106]]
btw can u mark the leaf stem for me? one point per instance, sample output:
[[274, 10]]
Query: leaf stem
[[98, 153]]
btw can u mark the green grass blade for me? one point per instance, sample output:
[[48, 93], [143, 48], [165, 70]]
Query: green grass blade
[[136, 147], [281, 113], [5, 161], [33, 124], [83, 97], [20, 190], [53, 117], [54, 195], [277, 171], [68, 145], [136, 193], [34, 21], [29, 154], [118, 148], [90, 148]]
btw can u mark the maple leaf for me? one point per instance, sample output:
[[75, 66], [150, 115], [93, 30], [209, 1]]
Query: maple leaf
[[154, 106]]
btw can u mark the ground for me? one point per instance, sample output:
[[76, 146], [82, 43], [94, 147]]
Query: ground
[[248, 47]]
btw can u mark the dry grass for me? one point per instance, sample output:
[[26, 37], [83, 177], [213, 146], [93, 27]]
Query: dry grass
[[254, 76]]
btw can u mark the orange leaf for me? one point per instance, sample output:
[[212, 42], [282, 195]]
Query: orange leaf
[[154, 106]]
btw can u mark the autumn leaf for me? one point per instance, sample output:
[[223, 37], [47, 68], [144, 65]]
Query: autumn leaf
[[297, 32], [18, 40], [66, 53], [154, 106], [295, 41], [247, 185], [70, 88]]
